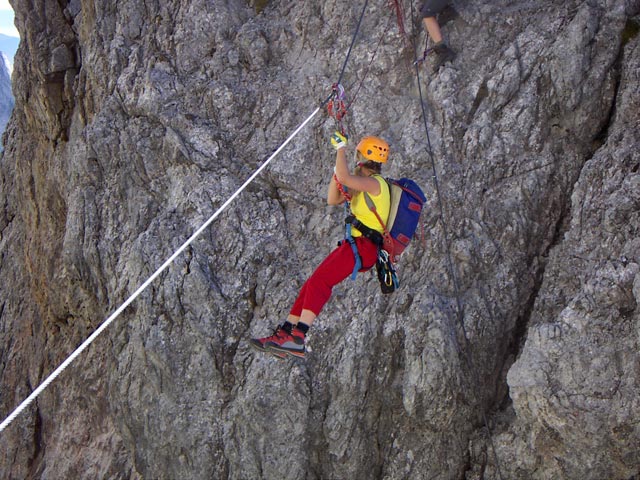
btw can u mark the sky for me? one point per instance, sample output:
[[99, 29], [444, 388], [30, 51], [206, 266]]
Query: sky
[[6, 19]]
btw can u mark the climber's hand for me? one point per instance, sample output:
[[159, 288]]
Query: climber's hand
[[338, 140]]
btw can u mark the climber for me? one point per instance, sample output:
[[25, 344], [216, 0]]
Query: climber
[[429, 10], [354, 253]]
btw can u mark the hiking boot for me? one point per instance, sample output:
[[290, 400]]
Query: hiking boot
[[443, 54], [260, 343], [287, 343]]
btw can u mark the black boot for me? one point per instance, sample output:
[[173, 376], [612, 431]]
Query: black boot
[[443, 54]]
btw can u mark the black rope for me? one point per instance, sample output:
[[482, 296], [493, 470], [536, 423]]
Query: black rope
[[368, 67], [346, 60], [468, 357]]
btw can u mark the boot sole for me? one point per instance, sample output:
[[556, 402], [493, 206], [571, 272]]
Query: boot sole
[[260, 349], [282, 351]]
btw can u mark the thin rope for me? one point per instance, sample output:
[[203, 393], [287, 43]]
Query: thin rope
[[468, 357], [353, 41], [142, 287], [368, 67], [346, 60]]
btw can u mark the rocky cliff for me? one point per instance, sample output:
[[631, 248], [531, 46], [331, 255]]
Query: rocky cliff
[[511, 349], [6, 97]]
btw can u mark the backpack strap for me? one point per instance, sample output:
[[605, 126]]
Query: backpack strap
[[372, 206], [385, 235]]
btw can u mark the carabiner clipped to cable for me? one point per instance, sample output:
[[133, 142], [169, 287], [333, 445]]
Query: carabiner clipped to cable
[[337, 108], [427, 51], [338, 90]]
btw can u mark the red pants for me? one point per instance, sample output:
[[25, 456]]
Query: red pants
[[338, 265]]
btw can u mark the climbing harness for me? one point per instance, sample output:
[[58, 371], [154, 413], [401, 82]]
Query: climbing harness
[[384, 263], [375, 236]]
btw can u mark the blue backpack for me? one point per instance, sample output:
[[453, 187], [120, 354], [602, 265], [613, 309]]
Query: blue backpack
[[407, 200]]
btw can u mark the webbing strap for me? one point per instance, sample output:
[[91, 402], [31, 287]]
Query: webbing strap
[[367, 232], [357, 265], [372, 206]]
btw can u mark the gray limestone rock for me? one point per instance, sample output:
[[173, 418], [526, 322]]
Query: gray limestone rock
[[511, 348]]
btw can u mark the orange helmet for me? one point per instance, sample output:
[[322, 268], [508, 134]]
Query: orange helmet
[[374, 148]]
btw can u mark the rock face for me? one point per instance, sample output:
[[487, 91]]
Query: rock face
[[6, 97], [511, 349]]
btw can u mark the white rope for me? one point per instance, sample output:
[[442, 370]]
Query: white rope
[[115, 314]]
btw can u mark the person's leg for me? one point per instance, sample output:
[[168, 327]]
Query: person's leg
[[333, 270], [288, 339], [316, 291], [429, 10], [307, 317], [433, 29]]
